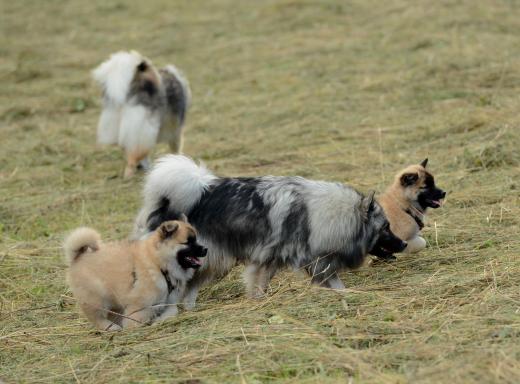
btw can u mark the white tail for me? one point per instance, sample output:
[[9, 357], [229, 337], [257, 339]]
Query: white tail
[[115, 75], [176, 178]]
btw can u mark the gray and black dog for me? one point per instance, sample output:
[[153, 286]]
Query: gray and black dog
[[266, 223]]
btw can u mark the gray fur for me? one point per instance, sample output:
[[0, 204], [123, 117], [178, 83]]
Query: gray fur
[[266, 223]]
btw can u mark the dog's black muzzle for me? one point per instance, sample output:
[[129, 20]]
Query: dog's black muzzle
[[190, 256], [387, 245], [431, 198]]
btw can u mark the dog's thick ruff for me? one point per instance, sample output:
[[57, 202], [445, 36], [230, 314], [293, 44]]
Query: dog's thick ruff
[[266, 223]]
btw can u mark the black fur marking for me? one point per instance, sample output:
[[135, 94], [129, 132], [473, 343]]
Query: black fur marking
[[142, 66], [409, 179], [295, 230], [134, 278], [163, 213], [429, 194], [149, 87], [233, 214], [166, 276], [417, 219]]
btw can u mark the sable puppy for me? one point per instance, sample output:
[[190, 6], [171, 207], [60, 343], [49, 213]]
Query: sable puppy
[[141, 106], [405, 203], [267, 223], [126, 284]]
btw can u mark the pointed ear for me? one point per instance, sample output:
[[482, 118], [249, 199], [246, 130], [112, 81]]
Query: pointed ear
[[183, 218], [367, 204], [424, 162], [408, 179], [143, 66], [168, 228]]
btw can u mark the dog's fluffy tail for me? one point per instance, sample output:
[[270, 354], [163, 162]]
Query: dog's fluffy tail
[[184, 83], [115, 75], [79, 241], [176, 180]]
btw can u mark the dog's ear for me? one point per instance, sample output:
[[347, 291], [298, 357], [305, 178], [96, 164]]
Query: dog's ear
[[424, 162], [408, 179], [143, 66], [367, 204], [168, 229]]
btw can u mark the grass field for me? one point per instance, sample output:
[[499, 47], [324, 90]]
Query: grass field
[[349, 91]]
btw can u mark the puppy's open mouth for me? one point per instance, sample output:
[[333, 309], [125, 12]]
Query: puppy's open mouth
[[191, 258], [194, 260], [434, 203]]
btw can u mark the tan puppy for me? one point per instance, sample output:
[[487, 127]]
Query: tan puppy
[[126, 284], [405, 203]]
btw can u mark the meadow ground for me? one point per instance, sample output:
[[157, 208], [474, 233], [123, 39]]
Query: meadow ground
[[349, 91]]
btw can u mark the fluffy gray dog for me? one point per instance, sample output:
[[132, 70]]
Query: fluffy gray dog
[[266, 223]]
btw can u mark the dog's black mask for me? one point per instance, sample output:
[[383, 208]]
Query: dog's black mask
[[430, 196], [387, 244], [190, 256]]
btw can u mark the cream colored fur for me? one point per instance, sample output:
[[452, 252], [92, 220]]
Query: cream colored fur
[[120, 284]]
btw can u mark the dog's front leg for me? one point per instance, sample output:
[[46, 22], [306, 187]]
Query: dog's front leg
[[190, 296], [171, 308], [134, 317], [171, 311], [415, 244]]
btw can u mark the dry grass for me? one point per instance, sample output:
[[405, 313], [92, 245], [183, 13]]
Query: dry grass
[[348, 91]]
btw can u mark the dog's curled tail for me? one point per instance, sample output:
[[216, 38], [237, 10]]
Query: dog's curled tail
[[184, 84], [176, 180], [115, 75], [79, 241]]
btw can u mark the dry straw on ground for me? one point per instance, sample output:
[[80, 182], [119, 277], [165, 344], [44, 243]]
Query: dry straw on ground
[[349, 91]]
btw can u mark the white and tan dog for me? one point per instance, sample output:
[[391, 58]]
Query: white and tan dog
[[141, 106], [127, 284]]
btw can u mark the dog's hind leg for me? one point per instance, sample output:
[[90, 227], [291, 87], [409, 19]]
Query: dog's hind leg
[[132, 160], [176, 140], [257, 278]]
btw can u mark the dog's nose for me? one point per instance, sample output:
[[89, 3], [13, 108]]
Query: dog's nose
[[204, 251], [405, 244], [443, 195]]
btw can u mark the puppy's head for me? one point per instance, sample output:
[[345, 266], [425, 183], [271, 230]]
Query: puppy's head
[[178, 239], [146, 78], [417, 185], [385, 241]]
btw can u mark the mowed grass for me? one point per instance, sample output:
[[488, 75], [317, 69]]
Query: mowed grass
[[347, 91]]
